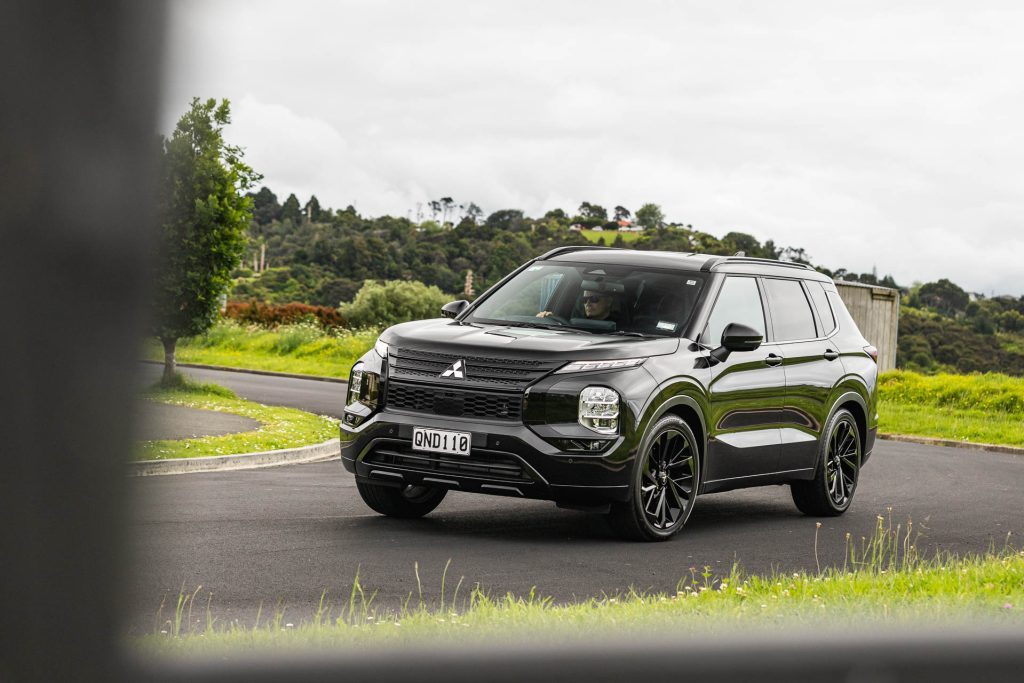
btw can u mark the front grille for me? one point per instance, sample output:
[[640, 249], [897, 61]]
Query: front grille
[[478, 372], [483, 464], [454, 402]]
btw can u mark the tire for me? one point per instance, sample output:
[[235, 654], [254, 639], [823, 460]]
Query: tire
[[840, 447], [406, 501], [664, 485]]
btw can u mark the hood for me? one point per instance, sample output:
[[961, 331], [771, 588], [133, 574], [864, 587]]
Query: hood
[[447, 336]]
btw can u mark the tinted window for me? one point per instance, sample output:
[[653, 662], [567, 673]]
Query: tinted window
[[738, 302], [791, 314], [825, 315], [595, 298]]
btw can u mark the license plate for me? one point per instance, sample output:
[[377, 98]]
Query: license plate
[[441, 441]]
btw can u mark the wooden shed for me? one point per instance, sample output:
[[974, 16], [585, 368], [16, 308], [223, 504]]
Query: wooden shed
[[876, 310]]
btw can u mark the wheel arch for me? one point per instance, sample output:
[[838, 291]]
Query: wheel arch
[[690, 411], [858, 407]]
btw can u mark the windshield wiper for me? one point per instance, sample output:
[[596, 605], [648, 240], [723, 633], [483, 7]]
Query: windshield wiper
[[535, 326]]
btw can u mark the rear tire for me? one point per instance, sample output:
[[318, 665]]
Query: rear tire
[[831, 491], [405, 501], [666, 477]]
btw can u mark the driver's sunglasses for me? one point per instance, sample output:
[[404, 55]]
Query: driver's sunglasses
[[594, 298]]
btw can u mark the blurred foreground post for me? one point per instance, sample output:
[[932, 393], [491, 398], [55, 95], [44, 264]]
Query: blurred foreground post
[[77, 150]]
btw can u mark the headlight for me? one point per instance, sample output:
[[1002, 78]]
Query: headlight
[[363, 387], [588, 365], [355, 384], [381, 348], [599, 410]]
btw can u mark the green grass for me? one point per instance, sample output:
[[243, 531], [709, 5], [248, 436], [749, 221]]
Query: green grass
[[280, 428], [885, 581], [985, 408], [977, 426], [608, 236], [303, 349]]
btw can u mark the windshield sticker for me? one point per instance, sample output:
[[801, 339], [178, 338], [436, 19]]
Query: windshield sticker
[[671, 327], [691, 282]]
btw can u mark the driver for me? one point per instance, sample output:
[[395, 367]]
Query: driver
[[596, 305]]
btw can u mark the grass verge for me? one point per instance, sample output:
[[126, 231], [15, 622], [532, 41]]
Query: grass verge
[[304, 349], [885, 580], [977, 426], [280, 428], [985, 408]]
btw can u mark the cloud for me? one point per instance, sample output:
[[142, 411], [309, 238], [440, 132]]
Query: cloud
[[871, 135]]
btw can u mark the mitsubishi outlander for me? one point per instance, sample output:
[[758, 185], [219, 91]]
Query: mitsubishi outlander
[[622, 382]]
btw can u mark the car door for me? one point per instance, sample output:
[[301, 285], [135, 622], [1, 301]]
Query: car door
[[812, 367], [746, 391]]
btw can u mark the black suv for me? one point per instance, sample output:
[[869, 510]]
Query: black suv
[[623, 382]]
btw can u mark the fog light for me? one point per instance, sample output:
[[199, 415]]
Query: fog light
[[582, 445], [599, 410]]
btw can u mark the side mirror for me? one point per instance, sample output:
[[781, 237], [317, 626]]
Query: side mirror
[[453, 308], [737, 337]]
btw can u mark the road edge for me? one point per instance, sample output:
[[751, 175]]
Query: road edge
[[953, 443], [328, 450], [269, 373]]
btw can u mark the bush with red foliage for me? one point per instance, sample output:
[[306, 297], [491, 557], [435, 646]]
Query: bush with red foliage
[[273, 315]]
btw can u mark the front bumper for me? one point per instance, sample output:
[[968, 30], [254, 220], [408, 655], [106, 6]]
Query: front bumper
[[506, 458]]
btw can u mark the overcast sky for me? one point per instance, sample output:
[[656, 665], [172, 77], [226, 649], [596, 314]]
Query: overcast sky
[[886, 135]]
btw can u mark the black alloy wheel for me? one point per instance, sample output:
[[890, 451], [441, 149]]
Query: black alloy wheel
[[404, 501], [664, 486], [831, 491]]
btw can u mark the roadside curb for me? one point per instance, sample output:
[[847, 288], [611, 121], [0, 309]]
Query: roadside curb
[[953, 443], [270, 373], [328, 450]]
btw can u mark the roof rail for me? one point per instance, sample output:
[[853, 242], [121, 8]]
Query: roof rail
[[558, 251], [714, 261]]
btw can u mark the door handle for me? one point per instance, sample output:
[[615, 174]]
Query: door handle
[[773, 360], [831, 355]]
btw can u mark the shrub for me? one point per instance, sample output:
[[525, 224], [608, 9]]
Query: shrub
[[395, 301], [273, 315]]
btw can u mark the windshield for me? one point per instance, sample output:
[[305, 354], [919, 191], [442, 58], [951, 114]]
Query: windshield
[[596, 298]]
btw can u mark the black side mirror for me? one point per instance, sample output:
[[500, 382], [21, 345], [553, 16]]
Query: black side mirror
[[453, 308], [737, 337]]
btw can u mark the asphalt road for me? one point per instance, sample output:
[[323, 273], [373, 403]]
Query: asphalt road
[[284, 535], [322, 398]]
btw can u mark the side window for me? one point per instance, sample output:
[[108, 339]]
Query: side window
[[825, 314], [791, 313], [738, 302]]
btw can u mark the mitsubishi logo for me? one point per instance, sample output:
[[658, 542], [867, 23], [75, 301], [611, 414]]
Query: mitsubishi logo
[[457, 370]]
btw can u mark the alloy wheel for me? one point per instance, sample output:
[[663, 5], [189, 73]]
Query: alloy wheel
[[842, 460], [667, 479]]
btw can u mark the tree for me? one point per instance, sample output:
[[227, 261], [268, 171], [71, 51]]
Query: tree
[[265, 206], [291, 211], [650, 216], [204, 214], [510, 220], [593, 212], [312, 210], [621, 213], [944, 296], [474, 212]]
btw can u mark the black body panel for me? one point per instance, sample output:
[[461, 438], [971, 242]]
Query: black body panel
[[757, 415]]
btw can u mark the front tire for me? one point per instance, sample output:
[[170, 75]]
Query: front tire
[[831, 491], [664, 487], [405, 501]]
